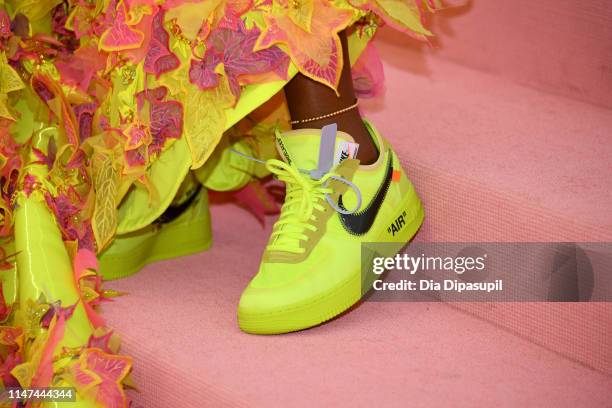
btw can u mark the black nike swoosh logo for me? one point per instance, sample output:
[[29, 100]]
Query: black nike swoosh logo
[[359, 223]]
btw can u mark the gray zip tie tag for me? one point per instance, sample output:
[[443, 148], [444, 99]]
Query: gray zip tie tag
[[326, 151]]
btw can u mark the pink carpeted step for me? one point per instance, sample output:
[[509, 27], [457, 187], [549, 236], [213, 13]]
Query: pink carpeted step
[[456, 127], [559, 46], [495, 161], [179, 323]]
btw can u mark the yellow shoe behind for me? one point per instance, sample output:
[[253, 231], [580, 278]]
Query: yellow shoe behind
[[182, 230]]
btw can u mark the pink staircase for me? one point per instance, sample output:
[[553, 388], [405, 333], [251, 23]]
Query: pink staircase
[[506, 130]]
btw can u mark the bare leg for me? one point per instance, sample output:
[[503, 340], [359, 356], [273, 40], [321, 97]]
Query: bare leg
[[307, 98]]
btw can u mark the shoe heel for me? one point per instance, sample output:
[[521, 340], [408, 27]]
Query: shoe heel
[[408, 218], [407, 221]]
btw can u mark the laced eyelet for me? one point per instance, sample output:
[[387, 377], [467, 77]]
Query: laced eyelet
[[305, 197]]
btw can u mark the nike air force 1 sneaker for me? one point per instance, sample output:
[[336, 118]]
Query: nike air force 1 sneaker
[[311, 268]]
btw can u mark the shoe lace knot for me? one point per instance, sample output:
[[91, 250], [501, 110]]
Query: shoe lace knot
[[305, 194]]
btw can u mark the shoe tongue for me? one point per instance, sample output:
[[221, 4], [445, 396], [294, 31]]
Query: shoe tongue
[[316, 149]]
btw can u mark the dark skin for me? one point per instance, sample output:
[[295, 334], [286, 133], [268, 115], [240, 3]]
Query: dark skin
[[307, 98]]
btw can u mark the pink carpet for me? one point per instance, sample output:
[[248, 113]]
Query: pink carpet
[[181, 329], [506, 132]]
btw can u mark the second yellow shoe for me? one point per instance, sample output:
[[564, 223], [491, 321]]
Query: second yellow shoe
[[184, 229]]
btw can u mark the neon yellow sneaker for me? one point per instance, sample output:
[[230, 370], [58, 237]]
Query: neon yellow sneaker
[[183, 229], [310, 271]]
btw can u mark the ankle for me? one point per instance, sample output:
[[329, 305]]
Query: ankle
[[351, 123], [354, 126]]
